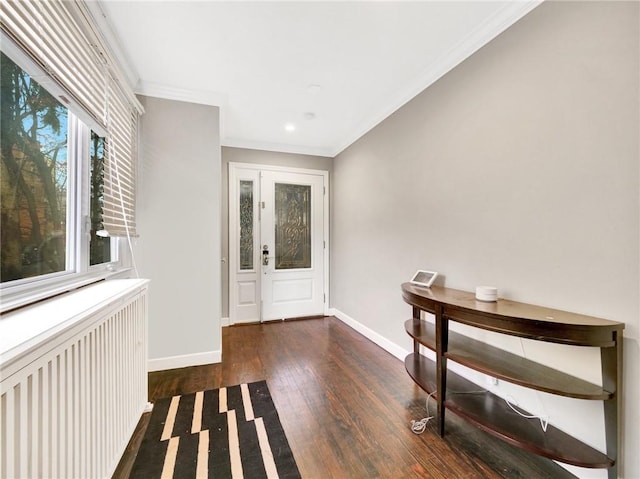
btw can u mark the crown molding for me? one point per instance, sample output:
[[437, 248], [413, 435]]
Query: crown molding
[[168, 92], [200, 97], [220, 100], [476, 39], [277, 147]]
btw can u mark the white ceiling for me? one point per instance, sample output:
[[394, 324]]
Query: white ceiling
[[331, 69]]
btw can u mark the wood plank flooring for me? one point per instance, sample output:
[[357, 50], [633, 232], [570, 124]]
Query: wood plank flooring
[[346, 406]]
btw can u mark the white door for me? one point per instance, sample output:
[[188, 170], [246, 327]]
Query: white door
[[292, 245], [286, 211], [244, 245]]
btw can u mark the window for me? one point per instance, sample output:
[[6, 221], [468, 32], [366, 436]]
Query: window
[[69, 150], [34, 177], [49, 181], [100, 243]]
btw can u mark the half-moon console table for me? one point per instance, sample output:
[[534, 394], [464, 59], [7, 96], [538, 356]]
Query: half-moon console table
[[488, 411]]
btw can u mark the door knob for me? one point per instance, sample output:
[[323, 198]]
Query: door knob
[[265, 255]]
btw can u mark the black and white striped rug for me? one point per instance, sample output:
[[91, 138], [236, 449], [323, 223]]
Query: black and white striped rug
[[231, 432]]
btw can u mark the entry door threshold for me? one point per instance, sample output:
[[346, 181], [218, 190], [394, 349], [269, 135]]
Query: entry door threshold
[[299, 318]]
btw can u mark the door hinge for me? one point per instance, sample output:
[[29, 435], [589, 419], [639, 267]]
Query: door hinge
[[324, 245], [324, 297], [324, 190], [260, 208]]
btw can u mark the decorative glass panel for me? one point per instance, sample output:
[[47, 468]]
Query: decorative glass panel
[[246, 224], [293, 226]]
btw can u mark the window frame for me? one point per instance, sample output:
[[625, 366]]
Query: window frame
[[78, 272]]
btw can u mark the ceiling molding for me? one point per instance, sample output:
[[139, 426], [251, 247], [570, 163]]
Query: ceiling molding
[[276, 147], [476, 39], [507, 15], [202, 97]]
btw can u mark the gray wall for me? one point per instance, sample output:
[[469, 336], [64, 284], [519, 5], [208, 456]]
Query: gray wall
[[242, 155], [518, 169], [179, 227]]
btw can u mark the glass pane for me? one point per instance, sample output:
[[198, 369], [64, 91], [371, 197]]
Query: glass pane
[[246, 224], [100, 245], [33, 177], [293, 226]]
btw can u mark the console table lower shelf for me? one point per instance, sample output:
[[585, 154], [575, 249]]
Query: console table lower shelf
[[492, 414]]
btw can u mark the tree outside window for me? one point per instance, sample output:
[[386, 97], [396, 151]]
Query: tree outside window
[[99, 246], [33, 177], [35, 182]]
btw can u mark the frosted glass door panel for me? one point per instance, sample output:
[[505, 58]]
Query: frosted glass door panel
[[292, 242], [244, 247], [246, 225], [292, 226]]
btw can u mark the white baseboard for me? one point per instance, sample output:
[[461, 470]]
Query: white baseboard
[[370, 334], [184, 361], [225, 322]]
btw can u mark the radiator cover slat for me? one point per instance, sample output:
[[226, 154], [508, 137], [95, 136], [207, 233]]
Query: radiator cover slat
[[70, 401]]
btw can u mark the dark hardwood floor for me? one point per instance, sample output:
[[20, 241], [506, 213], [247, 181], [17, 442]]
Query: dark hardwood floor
[[346, 406]]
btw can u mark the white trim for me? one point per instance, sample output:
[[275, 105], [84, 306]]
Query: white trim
[[202, 97], [225, 322], [34, 291], [328, 152], [400, 353], [47, 324], [476, 377], [233, 172], [77, 273], [245, 321], [389, 346], [184, 361], [286, 169], [494, 26], [327, 243], [235, 175], [221, 100], [490, 29]]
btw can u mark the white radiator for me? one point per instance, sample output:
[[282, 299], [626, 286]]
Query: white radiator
[[73, 376]]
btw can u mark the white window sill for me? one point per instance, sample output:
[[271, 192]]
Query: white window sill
[[23, 330], [12, 299]]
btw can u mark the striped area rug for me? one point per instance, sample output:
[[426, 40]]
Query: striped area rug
[[231, 432]]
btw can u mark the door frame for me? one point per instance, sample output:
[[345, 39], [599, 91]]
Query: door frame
[[235, 168]]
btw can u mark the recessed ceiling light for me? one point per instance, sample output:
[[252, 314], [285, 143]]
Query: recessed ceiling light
[[314, 88], [290, 127], [309, 115]]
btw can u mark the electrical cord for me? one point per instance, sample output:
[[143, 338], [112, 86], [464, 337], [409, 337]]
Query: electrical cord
[[419, 426], [544, 420]]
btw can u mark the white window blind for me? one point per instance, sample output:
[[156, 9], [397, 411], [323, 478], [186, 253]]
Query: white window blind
[[120, 173], [60, 36]]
